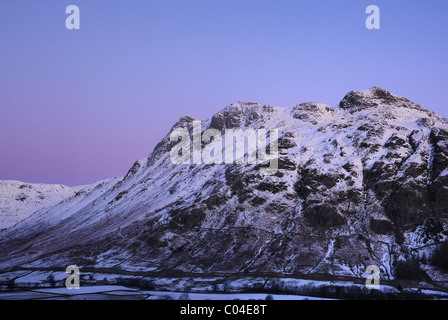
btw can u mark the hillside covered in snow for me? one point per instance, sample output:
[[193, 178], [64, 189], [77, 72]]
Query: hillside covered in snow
[[19, 200]]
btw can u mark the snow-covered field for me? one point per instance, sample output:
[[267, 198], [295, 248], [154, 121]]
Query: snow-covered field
[[125, 293], [24, 285]]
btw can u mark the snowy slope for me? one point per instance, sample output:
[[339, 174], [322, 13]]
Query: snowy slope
[[19, 200]]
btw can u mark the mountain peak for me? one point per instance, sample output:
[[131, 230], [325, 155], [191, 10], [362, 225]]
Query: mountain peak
[[376, 97], [247, 103], [240, 114], [184, 122]]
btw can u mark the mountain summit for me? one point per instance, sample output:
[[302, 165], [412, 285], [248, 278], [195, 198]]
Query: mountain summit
[[365, 183]]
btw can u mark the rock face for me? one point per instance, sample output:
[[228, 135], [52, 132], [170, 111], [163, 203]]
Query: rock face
[[362, 184]]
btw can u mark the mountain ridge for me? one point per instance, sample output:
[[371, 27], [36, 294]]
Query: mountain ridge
[[361, 184]]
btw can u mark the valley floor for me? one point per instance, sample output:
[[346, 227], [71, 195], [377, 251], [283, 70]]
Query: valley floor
[[126, 293], [44, 284]]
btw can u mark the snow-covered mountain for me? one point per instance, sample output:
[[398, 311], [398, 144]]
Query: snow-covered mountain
[[365, 183], [18, 200]]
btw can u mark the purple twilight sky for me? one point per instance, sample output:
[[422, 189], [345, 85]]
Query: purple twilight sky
[[77, 106]]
